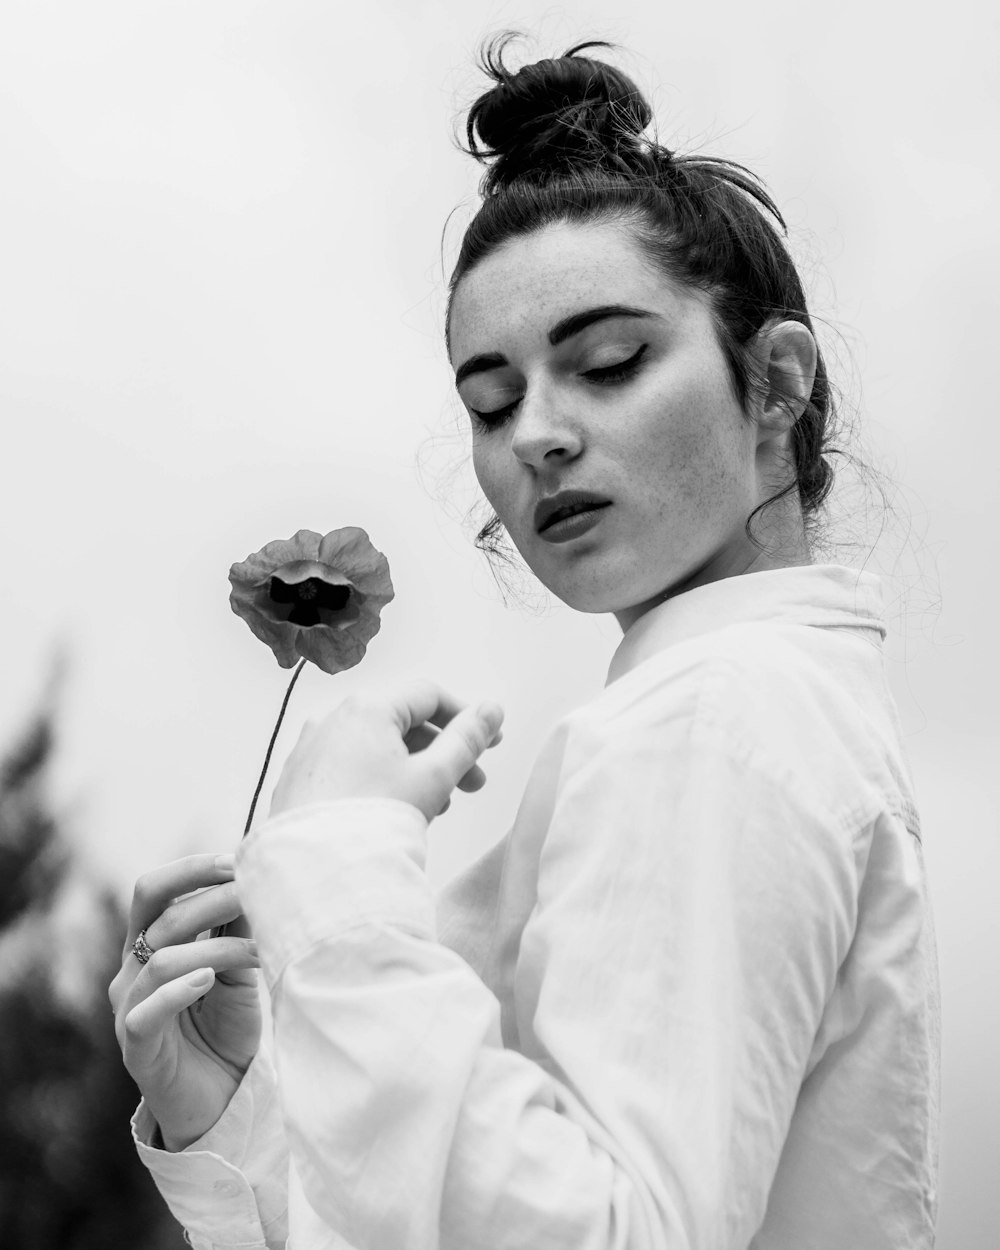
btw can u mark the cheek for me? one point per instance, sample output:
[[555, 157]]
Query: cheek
[[689, 448], [486, 462]]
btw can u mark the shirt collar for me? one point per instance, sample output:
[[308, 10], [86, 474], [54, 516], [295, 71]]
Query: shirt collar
[[828, 596]]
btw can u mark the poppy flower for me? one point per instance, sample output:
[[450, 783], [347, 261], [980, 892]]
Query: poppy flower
[[314, 597]]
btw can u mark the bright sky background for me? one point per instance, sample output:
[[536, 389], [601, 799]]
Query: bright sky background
[[221, 313]]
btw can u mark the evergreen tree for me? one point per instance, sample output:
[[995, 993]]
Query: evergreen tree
[[69, 1175]]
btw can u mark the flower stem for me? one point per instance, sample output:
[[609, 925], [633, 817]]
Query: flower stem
[[270, 746], [223, 930]]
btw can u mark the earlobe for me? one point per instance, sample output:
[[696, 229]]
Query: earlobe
[[789, 358]]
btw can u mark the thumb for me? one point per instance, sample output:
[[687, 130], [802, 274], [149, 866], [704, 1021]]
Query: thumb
[[466, 736]]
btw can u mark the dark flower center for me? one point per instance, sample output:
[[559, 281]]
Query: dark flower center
[[308, 597]]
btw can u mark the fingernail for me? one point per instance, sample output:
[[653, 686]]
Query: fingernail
[[225, 863], [201, 979]]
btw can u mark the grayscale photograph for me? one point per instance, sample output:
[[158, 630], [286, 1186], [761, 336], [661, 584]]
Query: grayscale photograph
[[496, 747]]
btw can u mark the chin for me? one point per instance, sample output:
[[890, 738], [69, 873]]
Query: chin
[[627, 604], [596, 586], [592, 599]]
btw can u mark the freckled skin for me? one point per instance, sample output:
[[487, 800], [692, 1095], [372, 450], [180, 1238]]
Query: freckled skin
[[669, 445]]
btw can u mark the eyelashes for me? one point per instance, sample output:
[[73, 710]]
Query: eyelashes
[[603, 376], [618, 372]]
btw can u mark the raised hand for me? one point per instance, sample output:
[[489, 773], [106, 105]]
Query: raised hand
[[388, 746], [188, 1020]]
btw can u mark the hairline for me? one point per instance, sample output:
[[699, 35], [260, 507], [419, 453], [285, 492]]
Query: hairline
[[629, 219]]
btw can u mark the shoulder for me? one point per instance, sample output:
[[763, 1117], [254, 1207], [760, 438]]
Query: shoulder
[[752, 695], [728, 677]]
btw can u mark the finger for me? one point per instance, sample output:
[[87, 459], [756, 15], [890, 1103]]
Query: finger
[[239, 926], [143, 1026], [419, 737], [180, 924], [424, 702], [423, 735], [473, 780], [154, 890], [462, 741], [421, 701], [445, 714], [228, 956], [222, 955], [182, 920]]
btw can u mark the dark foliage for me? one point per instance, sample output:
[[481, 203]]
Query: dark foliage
[[32, 862], [69, 1175]]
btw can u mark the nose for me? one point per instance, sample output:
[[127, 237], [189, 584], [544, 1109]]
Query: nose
[[544, 430]]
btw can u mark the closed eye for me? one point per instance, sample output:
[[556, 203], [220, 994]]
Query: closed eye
[[618, 372], [496, 416], [602, 376]]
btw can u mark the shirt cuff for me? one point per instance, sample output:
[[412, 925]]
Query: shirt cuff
[[318, 870], [230, 1187]]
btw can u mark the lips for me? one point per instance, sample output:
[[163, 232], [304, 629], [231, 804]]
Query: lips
[[565, 504]]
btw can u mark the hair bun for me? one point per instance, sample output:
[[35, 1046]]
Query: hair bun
[[559, 113]]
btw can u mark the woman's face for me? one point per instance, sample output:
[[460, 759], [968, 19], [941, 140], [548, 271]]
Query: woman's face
[[583, 368]]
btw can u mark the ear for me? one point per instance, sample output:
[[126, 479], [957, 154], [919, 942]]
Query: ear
[[787, 353]]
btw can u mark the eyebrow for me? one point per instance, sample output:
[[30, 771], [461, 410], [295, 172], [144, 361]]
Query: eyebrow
[[559, 333]]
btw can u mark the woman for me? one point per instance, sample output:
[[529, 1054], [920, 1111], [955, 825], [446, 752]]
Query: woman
[[690, 1000]]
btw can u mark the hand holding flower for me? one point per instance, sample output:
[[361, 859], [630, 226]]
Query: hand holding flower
[[187, 1015], [188, 1019], [385, 746]]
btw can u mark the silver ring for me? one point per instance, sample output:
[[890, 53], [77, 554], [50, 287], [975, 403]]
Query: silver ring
[[141, 948]]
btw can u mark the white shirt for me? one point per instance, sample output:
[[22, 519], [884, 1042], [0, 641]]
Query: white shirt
[[688, 1002]]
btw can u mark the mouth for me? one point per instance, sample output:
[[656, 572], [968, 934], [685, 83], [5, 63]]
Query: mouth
[[566, 504]]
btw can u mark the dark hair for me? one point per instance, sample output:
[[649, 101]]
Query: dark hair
[[564, 141]]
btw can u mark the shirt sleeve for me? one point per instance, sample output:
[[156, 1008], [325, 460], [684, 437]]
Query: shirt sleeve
[[230, 1187], [692, 911]]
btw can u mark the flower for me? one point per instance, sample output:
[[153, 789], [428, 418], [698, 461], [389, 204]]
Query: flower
[[314, 597]]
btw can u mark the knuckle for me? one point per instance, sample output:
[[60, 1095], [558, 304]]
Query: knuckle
[[469, 738], [167, 928], [142, 893], [157, 966], [373, 708], [170, 925], [424, 686], [351, 705], [131, 1028]]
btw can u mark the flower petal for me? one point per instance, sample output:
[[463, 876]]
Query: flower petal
[[278, 636], [301, 570], [338, 638], [350, 550], [304, 545], [331, 650]]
